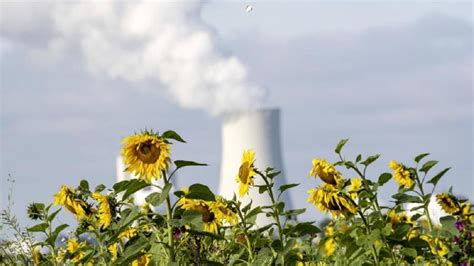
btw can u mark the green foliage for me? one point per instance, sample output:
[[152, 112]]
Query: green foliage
[[201, 228]]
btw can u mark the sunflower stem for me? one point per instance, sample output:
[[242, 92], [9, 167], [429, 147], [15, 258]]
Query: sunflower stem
[[169, 216], [244, 228], [276, 212], [425, 206]]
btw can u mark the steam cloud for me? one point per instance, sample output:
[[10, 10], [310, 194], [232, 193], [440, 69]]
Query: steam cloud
[[136, 41]]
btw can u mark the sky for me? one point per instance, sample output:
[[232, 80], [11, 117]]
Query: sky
[[393, 76]]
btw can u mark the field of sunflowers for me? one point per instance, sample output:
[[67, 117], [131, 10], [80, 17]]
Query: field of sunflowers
[[199, 227]]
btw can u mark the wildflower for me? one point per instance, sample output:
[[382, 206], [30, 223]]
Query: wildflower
[[459, 225], [76, 248], [144, 260], [146, 155], [67, 197], [105, 213], [246, 172], [113, 249], [356, 184], [401, 174], [35, 211], [448, 203], [326, 171], [328, 199], [128, 234], [436, 245], [330, 246], [329, 230], [36, 256]]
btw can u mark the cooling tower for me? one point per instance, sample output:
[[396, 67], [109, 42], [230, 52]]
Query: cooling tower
[[258, 130]]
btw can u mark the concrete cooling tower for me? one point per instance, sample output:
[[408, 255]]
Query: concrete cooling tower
[[258, 130]]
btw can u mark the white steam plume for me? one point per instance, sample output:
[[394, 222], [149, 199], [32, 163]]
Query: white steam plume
[[139, 40]]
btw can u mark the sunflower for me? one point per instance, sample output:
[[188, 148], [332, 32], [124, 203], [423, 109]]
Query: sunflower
[[356, 185], [401, 174], [105, 212], [206, 209], [128, 233], [246, 172], [448, 203], [223, 212], [144, 260], [67, 197], [437, 246], [113, 249], [328, 199], [326, 171], [76, 249], [146, 155], [330, 246]]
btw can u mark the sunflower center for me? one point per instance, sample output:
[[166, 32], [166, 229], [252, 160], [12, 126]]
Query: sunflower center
[[244, 172], [207, 215], [148, 152]]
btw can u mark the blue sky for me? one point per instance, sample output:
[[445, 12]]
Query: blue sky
[[394, 77]]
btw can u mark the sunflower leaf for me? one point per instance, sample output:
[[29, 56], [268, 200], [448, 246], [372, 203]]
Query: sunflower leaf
[[340, 145], [38, 228], [287, 186], [181, 164], [370, 159], [133, 186], [428, 165], [170, 134], [200, 191], [421, 156], [383, 178], [438, 176]]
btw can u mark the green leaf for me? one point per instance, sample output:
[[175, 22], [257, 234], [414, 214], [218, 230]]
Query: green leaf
[[306, 228], [53, 215], [438, 176], [295, 212], [449, 224], [121, 186], [133, 251], [38, 228], [170, 134], [52, 239], [254, 212], [410, 252], [180, 164], [286, 187], [164, 194], [200, 191], [340, 145], [358, 158], [405, 198], [134, 186], [421, 156], [370, 159], [99, 188], [204, 233], [383, 178], [427, 166], [153, 198], [401, 230], [157, 198], [416, 217], [84, 185]]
